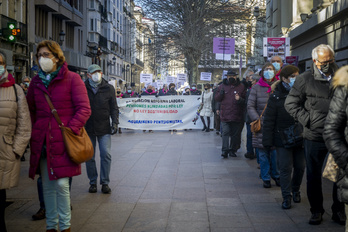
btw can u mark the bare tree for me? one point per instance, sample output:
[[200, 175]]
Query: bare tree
[[190, 25]]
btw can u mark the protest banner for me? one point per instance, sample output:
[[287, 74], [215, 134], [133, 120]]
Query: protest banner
[[276, 46], [161, 113], [293, 60], [170, 79], [223, 45], [146, 78], [205, 76]]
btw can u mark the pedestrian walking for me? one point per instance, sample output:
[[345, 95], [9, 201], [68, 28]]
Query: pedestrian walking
[[207, 110], [104, 106], [15, 129], [277, 121], [216, 108], [277, 62], [231, 94], [335, 132], [257, 102], [308, 102], [48, 154]]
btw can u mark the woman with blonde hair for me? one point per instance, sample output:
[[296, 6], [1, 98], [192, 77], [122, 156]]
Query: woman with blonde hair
[[49, 157]]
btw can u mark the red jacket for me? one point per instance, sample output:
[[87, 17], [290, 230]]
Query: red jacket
[[69, 96]]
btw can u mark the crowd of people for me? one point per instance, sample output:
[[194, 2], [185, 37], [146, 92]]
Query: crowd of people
[[292, 122]]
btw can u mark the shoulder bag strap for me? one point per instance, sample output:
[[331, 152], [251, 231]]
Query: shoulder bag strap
[[263, 110], [53, 110]]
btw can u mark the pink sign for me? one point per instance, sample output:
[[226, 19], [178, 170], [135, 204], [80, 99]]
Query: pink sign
[[276, 42], [223, 45], [292, 60]]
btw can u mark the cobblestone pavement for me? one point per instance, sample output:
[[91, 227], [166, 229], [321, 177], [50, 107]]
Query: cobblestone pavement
[[172, 181]]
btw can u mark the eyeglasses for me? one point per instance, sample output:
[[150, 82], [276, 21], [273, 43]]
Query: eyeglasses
[[276, 61], [2, 63], [268, 69], [45, 55], [326, 62]]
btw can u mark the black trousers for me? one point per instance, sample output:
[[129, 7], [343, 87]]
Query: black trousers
[[2, 210], [315, 155]]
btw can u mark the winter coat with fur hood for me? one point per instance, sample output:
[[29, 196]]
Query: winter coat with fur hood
[[15, 129], [336, 130]]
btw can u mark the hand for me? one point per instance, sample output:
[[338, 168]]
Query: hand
[[156, 95], [222, 92], [114, 128], [139, 96], [218, 112], [198, 98], [237, 97]]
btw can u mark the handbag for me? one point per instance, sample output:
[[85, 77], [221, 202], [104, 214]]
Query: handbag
[[331, 169], [255, 126], [292, 136], [79, 147]]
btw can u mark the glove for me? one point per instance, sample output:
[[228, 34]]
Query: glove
[[114, 128], [156, 95], [222, 92], [139, 96]]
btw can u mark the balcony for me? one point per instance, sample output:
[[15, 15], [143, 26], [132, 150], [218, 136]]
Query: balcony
[[103, 42]]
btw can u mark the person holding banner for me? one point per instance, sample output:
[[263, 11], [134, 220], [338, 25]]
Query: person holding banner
[[129, 93], [163, 91], [187, 91], [194, 90], [119, 94], [231, 94], [171, 90], [149, 91], [207, 111]]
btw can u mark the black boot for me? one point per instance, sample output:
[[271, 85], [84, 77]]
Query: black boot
[[204, 126], [208, 127]]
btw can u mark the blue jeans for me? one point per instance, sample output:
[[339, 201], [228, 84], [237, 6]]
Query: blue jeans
[[57, 199], [104, 142], [249, 142], [268, 164]]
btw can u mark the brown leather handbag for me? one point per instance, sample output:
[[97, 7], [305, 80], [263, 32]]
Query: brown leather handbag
[[255, 126], [79, 147]]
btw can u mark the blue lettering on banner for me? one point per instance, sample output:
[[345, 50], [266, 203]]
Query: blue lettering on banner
[[155, 121]]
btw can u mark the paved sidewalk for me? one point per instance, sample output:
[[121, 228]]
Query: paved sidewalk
[[165, 181]]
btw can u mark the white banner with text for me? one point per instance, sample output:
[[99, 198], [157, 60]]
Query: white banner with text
[[160, 113]]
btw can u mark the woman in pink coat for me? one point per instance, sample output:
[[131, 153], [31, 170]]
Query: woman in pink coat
[[48, 154]]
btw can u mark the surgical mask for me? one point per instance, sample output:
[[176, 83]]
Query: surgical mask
[[325, 68], [129, 91], [292, 81], [276, 66], [194, 88], [269, 74], [96, 77], [2, 69], [46, 64], [26, 84]]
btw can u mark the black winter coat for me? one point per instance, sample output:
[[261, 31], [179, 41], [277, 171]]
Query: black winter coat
[[171, 92], [336, 132], [308, 102], [103, 106], [276, 118]]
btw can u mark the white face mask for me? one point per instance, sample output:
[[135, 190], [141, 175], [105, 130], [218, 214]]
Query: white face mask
[[2, 69], [46, 64], [96, 77]]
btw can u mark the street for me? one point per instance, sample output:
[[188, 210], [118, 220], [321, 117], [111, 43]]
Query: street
[[167, 181]]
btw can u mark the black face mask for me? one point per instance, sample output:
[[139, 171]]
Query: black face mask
[[172, 88], [325, 68], [150, 91], [206, 88], [232, 80], [118, 92], [249, 83]]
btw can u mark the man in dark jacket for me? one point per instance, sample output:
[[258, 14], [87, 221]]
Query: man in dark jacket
[[231, 94], [102, 98], [308, 102]]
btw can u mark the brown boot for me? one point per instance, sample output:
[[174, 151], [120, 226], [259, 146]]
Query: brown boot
[[119, 131], [67, 230], [51, 230]]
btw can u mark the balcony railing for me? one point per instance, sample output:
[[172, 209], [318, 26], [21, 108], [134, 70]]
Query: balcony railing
[[103, 42]]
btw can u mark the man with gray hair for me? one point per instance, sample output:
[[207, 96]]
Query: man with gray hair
[[308, 102]]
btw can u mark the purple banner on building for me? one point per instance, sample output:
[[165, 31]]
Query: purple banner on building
[[223, 45]]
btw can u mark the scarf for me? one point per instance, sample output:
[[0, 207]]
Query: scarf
[[93, 84], [47, 78], [286, 86], [264, 83], [7, 81], [153, 92]]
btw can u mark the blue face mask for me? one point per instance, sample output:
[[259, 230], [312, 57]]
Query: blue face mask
[[276, 66], [292, 81], [269, 74], [2, 70]]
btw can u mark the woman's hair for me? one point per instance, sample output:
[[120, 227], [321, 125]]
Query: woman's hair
[[288, 70], [3, 57], [54, 47], [207, 85], [171, 84]]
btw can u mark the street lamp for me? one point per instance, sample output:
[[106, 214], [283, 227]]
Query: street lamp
[[61, 37]]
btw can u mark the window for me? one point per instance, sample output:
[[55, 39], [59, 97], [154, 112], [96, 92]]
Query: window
[[56, 28], [92, 4], [91, 25], [69, 36], [41, 19]]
